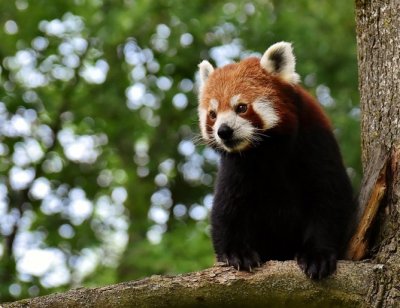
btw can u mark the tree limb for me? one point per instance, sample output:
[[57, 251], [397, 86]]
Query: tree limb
[[276, 284]]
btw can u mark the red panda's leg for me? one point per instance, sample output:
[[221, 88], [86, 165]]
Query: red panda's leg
[[328, 202], [231, 242], [316, 258]]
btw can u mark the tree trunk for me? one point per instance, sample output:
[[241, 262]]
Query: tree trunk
[[357, 284], [378, 39]]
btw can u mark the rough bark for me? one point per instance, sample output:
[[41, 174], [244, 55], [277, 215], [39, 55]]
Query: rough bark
[[276, 284], [378, 39]]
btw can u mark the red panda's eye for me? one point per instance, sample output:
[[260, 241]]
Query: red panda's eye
[[212, 114], [241, 108]]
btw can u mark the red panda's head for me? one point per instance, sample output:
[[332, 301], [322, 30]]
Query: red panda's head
[[240, 102]]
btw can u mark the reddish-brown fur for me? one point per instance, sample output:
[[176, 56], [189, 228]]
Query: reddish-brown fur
[[252, 82]]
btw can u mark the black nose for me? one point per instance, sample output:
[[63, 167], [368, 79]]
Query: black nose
[[225, 132]]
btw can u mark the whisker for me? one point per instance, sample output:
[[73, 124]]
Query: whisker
[[197, 138]]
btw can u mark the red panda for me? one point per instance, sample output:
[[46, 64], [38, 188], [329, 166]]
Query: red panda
[[282, 191]]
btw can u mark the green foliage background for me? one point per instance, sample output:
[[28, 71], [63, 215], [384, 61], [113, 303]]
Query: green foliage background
[[97, 122]]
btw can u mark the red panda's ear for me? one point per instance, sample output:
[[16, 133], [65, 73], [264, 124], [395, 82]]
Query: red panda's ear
[[205, 70], [279, 60]]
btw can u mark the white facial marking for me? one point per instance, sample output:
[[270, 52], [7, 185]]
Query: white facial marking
[[266, 111], [242, 130], [214, 104], [203, 123], [234, 101], [244, 133]]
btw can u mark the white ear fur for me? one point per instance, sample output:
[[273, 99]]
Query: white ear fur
[[280, 60], [205, 69]]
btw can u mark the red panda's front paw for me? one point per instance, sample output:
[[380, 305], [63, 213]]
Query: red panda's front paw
[[245, 260], [317, 264]]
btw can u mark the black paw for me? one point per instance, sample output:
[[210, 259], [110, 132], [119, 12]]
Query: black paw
[[317, 264], [244, 260]]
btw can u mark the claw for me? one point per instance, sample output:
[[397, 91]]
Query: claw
[[242, 260], [317, 265]]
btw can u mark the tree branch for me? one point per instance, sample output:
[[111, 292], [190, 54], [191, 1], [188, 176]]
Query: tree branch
[[276, 284]]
